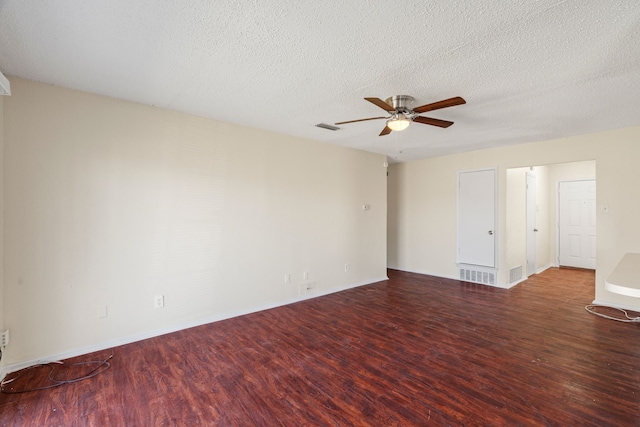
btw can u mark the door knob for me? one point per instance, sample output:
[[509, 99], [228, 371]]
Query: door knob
[[535, 229], [490, 232]]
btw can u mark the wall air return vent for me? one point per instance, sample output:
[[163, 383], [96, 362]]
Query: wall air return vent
[[515, 274], [477, 275]]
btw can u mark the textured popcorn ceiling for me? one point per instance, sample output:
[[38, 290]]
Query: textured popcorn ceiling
[[529, 70]]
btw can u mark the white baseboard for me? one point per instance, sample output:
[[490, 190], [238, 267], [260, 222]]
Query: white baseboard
[[546, 267], [522, 279], [511, 285], [424, 273], [504, 286], [178, 327]]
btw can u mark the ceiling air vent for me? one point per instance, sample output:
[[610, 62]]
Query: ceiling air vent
[[326, 126], [5, 88]]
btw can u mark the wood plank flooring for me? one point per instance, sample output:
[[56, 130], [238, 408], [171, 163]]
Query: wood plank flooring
[[413, 350]]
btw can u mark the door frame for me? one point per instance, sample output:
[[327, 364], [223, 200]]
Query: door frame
[[531, 225]]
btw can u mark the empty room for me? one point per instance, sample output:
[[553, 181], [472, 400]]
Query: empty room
[[319, 214]]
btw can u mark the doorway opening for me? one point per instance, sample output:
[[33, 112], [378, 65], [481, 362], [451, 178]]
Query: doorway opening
[[533, 229]]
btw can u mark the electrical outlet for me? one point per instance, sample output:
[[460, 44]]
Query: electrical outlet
[[287, 278], [305, 275], [158, 301], [308, 287], [347, 267], [4, 338]]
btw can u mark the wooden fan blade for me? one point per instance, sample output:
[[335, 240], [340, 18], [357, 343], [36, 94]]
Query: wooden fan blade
[[385, 131], [432, 122], [440, 104], [360, 120], [380, 103]]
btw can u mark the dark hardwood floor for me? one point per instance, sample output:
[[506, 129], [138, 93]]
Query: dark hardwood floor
[[411, 351]]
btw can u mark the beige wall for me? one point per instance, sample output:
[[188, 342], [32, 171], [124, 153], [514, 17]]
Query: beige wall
[[1, 220], [516, 219], [544, 218], [109, 203], [422, 202]]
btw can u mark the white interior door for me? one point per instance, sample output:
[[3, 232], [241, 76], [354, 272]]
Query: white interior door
[[476, 217], [531, 224], [577, 224]]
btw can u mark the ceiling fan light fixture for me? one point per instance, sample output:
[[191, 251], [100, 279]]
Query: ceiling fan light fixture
[[398, 122]]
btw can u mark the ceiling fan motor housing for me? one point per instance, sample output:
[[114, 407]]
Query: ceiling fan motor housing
[[400, 103]]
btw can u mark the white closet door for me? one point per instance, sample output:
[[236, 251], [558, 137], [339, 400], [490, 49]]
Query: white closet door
[[577, 224], [476, 217]]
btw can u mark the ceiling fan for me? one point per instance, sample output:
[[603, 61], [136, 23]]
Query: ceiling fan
[[402, 115]]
